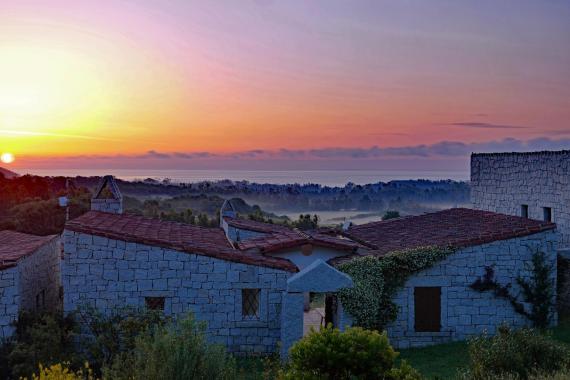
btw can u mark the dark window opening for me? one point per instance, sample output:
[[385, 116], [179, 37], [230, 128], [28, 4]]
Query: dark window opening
[[154, 303], [250, 303], [41, 300], [547, 214], [427, 309], [524, 211]]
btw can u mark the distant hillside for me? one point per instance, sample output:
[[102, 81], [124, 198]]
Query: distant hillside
[[7, 173]]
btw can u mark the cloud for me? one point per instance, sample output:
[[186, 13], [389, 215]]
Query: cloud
[[450, 154], [12, 133], [476, 124]]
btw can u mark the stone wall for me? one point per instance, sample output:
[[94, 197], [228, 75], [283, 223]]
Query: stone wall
[[113, 206], [40, 278], [110, 274], [464, 311], [503, 182], [9, 301]]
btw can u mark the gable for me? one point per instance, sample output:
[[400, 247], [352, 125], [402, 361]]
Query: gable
[[319, 277]]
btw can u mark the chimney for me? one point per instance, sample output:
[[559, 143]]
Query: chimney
[[107, 197]]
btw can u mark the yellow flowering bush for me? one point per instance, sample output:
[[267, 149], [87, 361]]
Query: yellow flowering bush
[[62, 372]]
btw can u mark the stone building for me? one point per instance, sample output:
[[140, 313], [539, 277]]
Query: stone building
[[29, 276], [533, 185], [249, 280], [239, 287], [438, 304]]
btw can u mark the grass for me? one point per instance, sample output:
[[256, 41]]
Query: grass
[[445, 360], [438, 362]]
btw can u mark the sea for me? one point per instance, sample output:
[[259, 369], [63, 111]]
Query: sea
[[322, 177]]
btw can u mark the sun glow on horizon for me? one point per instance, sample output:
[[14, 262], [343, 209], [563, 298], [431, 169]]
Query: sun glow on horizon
[[7, 158]]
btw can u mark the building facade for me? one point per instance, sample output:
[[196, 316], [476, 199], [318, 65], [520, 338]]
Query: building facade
[[29, 276], [534, 185]]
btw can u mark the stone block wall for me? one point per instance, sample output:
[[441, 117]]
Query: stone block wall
[[111, 205], [111, 274], [40, 278], [464, 311], [503, 182], [9, 301]]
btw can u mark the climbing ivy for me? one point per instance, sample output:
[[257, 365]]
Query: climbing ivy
[[537, 291], [378, 278]]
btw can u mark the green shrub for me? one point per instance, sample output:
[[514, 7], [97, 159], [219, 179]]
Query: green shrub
[[108, 337], [353, 354], [175, 351], [41, 338], [517, 353]]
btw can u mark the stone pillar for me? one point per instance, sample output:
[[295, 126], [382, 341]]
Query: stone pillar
[[291, 321]]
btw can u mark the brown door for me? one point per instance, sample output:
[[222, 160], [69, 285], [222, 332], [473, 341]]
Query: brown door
[[427, 309]]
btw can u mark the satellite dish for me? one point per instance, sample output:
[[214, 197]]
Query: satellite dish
[[63, 201]]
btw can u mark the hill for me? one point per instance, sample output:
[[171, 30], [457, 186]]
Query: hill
[[7, 173]]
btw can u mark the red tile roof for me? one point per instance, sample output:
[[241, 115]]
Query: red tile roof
[[15, 245], [252, 225], [179, 236], [282, 237], [456, 227]]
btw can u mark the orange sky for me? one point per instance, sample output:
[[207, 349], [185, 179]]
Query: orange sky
[[124, 78]]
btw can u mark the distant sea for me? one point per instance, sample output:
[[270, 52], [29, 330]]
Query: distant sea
[[323, 177]]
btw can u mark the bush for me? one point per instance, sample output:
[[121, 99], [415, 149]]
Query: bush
[[390, 215], [354, 353], [515, 353], [108, 337], [62, 372], [175, 351], [41, 338]]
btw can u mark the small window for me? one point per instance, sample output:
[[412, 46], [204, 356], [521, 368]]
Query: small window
[[524, 211], [250, 303], [41, 300], [154, 303], [427, 309], [547, 214]]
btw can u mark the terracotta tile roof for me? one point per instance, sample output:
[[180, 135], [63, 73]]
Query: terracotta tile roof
[[282, 237], [252, 225], [15, 245], [183, 237], [456, 227]]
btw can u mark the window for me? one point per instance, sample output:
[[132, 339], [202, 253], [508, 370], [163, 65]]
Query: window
[[154, 303], [250, 303], [524, 211], [547, 211], [427, 309]]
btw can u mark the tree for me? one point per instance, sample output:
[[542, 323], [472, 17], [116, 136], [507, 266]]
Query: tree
[[390, 215]]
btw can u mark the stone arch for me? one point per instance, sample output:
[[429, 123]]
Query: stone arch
[[318, 277]]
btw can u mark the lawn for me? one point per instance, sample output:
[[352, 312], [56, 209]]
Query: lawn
[[445, 360], [441, 362], [438, 362]]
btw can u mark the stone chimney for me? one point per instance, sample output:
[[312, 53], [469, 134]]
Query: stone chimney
[[107, 197]]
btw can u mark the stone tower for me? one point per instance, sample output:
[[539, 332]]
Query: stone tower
[[107, 197]]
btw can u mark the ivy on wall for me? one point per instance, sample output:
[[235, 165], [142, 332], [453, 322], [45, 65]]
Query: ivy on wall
[[537, 290], [378, 278]]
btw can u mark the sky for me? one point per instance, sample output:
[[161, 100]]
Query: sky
[[261, 84]]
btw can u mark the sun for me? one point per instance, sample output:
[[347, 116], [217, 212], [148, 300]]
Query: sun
[[7, 158]]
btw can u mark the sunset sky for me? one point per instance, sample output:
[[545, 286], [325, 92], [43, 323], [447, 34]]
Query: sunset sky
[[281, 84]]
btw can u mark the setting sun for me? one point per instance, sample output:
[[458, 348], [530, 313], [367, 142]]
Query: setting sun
[[7, 158]]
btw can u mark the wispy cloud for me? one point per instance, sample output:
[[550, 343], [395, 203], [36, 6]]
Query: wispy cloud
[[9, 132], [440, 149], [476, 124]]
